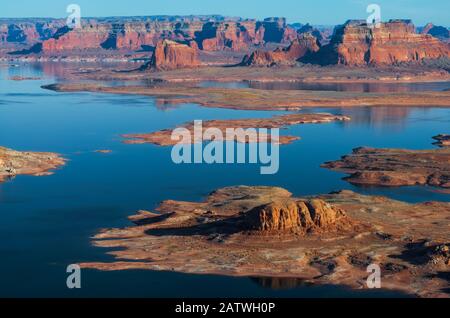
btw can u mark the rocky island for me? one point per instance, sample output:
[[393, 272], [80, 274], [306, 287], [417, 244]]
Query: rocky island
[[266, 232], [396, 167], [13, 163], [164, 137]]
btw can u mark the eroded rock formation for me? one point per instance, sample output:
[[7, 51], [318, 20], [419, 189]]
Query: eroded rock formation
[[170, 55], [211, 33], [234, 36], [296, 217], [13, 163], [396, 167], [356, 43], [263, 232], [305, 43], [20, 31]]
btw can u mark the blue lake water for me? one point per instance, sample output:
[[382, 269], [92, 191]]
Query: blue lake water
[[375, 87], [46, 222]]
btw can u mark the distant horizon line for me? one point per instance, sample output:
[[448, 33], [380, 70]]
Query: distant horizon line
[[200, 15]]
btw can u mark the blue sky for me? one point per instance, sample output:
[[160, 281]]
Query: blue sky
[[313, 11]]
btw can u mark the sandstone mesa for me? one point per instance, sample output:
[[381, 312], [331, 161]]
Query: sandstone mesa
[[355, 43], [171, 55]]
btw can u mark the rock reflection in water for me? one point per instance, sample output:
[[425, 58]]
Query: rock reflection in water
[[279, 283], [352, 87]]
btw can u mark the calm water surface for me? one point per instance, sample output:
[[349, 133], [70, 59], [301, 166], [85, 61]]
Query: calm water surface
[[46, 222], [339, 87]]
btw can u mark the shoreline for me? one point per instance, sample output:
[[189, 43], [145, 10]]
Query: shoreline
[[215, 236], [164, 137], [257, 99], [294, 74]]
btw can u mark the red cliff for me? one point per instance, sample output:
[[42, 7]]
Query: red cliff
[[305, 43], [355, 43], [171, 55], [212, 33]]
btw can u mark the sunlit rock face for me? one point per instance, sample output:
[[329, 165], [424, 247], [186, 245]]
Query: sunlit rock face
[[211, 33], [295, 216], [356, 43], [171, 55], [305, 43]]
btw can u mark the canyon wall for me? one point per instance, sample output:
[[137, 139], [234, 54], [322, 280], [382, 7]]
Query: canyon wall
[[353, 43], [302, 45], [393, 42], [27, 31], [211, 33]]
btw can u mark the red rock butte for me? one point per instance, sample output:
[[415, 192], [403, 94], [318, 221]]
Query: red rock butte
[[171, 55], [357, 43]]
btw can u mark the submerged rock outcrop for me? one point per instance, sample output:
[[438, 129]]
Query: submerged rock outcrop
[[393, 42]]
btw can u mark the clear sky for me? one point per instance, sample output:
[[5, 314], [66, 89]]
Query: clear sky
[[313, 11]]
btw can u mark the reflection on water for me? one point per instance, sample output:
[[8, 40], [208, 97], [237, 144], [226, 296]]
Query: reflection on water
[[378, 117], [279, 282], [291, 283], [95, 191], [58, 70], [338, 87]]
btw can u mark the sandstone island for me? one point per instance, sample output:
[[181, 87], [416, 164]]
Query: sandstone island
[[164, 137], [265, 232], [13, 163], [397, 167]]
